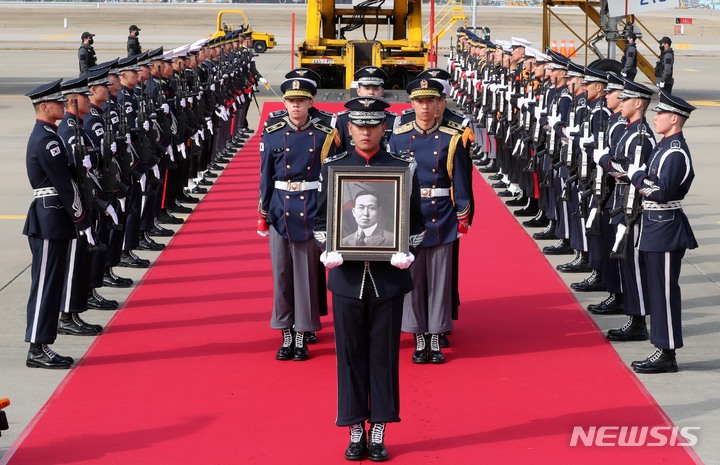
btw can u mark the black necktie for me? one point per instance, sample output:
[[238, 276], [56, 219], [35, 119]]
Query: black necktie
[[360, 238]]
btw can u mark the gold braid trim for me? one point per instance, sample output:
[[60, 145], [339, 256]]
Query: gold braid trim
[[451, 154], [329, 140]]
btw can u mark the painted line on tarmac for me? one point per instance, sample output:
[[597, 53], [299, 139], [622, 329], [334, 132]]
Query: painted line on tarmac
[[705, 103], [13, 217], [58, 36]]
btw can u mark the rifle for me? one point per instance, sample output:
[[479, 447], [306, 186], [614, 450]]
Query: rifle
[[622, 248], [566, 153], [147, 141], [82, 177]]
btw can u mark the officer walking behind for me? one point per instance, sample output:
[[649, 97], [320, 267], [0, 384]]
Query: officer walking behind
[[664, 66], [86, 52], [665, 231], [53, 221], [293, 147], [133, 43], [368, 298], [629, 59]]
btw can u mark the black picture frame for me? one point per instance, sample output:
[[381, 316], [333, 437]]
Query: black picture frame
[[390, 185]]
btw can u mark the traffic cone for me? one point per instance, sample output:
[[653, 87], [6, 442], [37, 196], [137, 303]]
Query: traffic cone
[[571, 49], [553, 45], [563, 48]]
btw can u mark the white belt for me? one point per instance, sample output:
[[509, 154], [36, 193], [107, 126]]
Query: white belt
[[439, 192], [672, 205], [297, 186], [44, 192]]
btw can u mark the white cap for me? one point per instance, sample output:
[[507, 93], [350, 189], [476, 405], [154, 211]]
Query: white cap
[[447, 89], [504, 45], [180, 52], [520, 42], [198, 44]]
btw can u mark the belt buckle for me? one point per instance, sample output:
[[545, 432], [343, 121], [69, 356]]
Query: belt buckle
[[425, 192], [294, 186]]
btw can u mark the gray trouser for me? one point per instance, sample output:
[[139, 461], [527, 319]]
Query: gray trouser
[[428, 307], [295, 272]]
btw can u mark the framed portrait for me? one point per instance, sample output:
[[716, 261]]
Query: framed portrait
[[368, 211]]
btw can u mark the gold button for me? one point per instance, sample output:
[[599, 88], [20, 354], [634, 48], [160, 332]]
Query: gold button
[[437, 137], [434, 220], [312, 150], [435, 152], [310, 133], [287, 149], [287, 133], [412, 153], [288, 214], [302, 214], [287, 196], [287, 166], [308, 168], [433, 186], [302, 197], [432, 202], [433, 170]]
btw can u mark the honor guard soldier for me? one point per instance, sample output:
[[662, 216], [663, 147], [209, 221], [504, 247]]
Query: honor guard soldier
[[636, 142], [329, 119], [86, 52], [370, 83], [292, 151], [368, 298], [133, 43], [665, 234], [445, 201], [54, 219]]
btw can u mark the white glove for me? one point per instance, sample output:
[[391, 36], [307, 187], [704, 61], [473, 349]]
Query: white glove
[[234, 107], [552, 121], [128, 140], [146, 126], [113, 147], [661, 84], [263, 233], [263, 81], [156, 171], [632, 169], [237, 99], [87, 162], [538, 112], [183, 103], [122, 204], [88, 233], [110, 211], [402, 260], [624, 74], [165, 108], [571, 131], [209, 125], [200, 94], [169, 151], [598, 154], [591, 218], [331, 259], [196, 138], [212, 87], [492, 87], [190, 99], [587, 140], [181, 149]]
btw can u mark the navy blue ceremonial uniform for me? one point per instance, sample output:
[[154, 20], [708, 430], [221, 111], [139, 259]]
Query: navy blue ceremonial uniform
[[52, 222], [665, 234], [367, 309]]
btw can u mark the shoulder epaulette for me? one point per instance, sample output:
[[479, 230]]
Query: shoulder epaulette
[[675, 144], [391, 113], [275, 127], [326, 113], [453, 124], [336, 157], [344, 112], [277, 114], [322, 127], [408, 110], [457, 113], [50, 129], [449, 130], [403, 155], [403, 128], [94, 111]]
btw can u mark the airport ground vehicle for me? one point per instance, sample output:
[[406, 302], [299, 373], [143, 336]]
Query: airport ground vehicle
[[230, 20]]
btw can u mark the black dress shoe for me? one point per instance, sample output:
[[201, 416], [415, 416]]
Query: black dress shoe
[[377, 452], [180, 209], [166, 218], [146, 243], [98, 302], [490, 168], [198, 190], [204, 182], [436, 356], [128, 259], [357, 449], [42, 356], [561, 247], [311, 337], [420, 356], [496, 177], [661, 361], [73, 325], [528, 211], [300, 354], [592, 283], [519, 201], [612, 305], [540, 221], [185, 198], [221, 160], [500, 185], [444, 342], [159, 231], [215, 167], [578, 265], [285, 352], [634, 329], [506, 193], [110, 279], [209, 174]]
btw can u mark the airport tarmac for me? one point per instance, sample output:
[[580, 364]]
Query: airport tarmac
[[35, 48]]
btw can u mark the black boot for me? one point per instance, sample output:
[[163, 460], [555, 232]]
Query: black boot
[[165, 217], [110, 279], [561, 247], [435, 355], [301, 351], [530, 209], [147, 243], [420, 354], [519, 201], [98, 302], [376, 450], [612, 305], [592, 283], [73, 325], [130, 260], [357, 449], [489, 168], [285, 352], [578, 265], [548, 233], [159, 231], [42, 356], [540, 221], [444, 341], [634, 329], [311, 337], [661, 361]]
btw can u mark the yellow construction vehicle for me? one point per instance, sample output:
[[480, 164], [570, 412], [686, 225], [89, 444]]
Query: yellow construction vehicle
[[384, 33], [230, 20]]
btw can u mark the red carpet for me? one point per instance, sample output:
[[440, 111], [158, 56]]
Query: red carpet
[[185, 373]]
